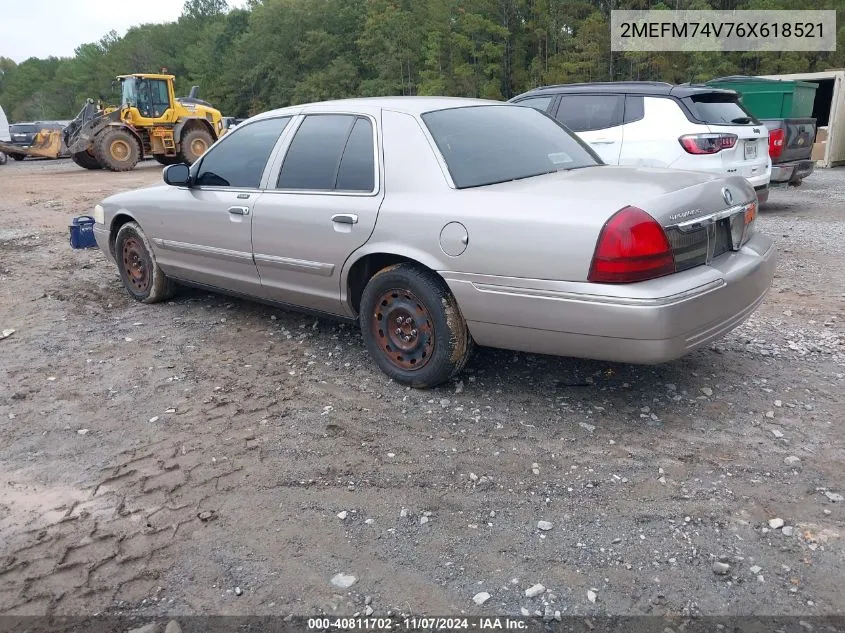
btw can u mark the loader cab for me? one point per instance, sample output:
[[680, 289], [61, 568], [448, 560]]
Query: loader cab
[[152, 96]]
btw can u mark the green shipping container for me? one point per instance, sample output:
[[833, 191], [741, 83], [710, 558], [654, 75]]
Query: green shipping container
[[771, 98]]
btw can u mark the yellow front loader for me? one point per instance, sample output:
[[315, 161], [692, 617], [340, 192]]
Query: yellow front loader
[[150, 121]]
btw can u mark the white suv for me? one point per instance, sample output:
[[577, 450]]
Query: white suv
[[653, 124]]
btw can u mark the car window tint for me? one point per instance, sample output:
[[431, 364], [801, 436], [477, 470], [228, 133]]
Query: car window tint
[[314, 155], [582, 113], [719, 109], [538, 103], [357, 167], [239, 159], [634, 108], [483, 145]]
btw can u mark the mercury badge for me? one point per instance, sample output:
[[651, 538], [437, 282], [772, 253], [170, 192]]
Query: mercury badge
[[728, 196]]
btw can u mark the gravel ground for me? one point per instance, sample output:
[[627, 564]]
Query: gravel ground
[[215, 456]]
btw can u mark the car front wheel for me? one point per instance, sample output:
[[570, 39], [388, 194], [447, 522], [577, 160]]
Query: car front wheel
[[412, 326], [141, 275]]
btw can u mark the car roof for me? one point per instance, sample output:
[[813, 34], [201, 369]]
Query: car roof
[[408, 105], [657, 88]]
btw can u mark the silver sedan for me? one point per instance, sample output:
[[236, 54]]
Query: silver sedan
[[439, 223]]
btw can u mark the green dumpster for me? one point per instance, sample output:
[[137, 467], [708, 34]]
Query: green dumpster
[[771, 98]]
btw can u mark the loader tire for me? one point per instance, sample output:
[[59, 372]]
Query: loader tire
[[116, 149], [167, 160], [17, 157], [194, 143], [85, 160]]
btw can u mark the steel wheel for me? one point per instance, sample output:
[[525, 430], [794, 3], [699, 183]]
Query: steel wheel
[[404, 329], [198, 146], [135, 264], [120, 150]]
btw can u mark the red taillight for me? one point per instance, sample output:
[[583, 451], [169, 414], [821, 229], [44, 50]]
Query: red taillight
[[776, 139], [707, 143], [632, 247]]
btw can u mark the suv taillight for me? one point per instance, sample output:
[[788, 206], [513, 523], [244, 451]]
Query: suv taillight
[[776, 139], [707, 143], [632, 247]]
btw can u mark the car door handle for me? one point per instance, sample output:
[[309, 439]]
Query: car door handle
[[602, 141], [345, 218], [239, 210]]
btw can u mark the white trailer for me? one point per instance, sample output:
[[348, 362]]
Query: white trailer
[[828, 110]]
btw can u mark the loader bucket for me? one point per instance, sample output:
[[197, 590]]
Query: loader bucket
[[47, 143]]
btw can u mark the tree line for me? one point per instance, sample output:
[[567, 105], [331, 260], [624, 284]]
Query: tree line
[[274, 53]]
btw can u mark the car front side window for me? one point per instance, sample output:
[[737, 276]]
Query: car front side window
[[538, 103], [239, 159]]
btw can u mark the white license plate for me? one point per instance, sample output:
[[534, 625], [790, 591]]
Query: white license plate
[[750, 150]]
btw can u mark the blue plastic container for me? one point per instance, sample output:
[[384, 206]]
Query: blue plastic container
[[82, 232]]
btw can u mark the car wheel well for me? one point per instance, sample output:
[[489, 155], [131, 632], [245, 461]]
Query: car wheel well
[[364, 269], [119, 220]]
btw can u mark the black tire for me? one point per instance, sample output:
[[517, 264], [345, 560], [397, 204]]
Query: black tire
[[193, 145], [141, 275], [18, 157], [167, 160], [431, 348], [85, 160], [117, 149]]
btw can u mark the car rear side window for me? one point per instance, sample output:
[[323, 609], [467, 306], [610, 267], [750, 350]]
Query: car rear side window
[[357, 167], [583, 113], [240, 158], [330, 152], [484, 145], [634, 108], [538, 103], [720, 109]]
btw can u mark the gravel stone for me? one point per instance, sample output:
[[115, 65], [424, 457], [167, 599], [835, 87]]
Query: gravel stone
[[721, 568], [344, 581], [481, 597], [534, 591], [775, 523], [545, 526]]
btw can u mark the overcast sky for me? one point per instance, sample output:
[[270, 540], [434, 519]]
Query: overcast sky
[[40, 28]]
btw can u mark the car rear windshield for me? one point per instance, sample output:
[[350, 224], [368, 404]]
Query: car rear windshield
[[484, 145], [23, 128], [719, 109]]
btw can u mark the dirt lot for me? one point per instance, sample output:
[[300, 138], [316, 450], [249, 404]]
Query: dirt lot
[[193, 457]]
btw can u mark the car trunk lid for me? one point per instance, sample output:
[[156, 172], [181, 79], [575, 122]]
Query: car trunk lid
[[797, 135], [697, 210], [722, 113]]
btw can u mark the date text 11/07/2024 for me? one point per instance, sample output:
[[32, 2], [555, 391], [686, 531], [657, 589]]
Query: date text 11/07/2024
[[417, 623]]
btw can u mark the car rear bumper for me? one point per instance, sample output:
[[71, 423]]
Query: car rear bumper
[[647, 323], [793, 172]]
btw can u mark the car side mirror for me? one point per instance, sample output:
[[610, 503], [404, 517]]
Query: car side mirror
[[178, 175]]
